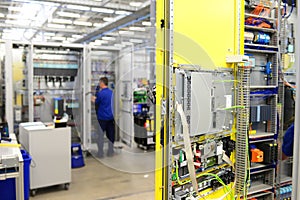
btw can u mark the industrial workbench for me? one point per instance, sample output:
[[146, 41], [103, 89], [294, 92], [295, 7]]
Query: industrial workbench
[[11, 164]]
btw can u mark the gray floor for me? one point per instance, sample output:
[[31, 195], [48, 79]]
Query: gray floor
[[98, 181]]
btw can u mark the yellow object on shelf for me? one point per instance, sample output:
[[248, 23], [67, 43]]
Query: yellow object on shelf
[[252, 132]]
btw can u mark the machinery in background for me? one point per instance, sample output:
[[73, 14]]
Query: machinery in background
[[143, 121], [60, 117]]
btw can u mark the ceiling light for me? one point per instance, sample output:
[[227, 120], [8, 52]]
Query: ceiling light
[[75, 7], [68, 14], [81, 23], [48, 34], [18, 22], [70, 39], [127, 43], [58, 38], [17, 9], [108, 19], [136, 41], [99, 42], [109, 38], [71, 27], [122, 12], [135, 4], [61, 21], [97, 24], [56, 26], [76, 36], [146, 23], [126, 33], [119, 45], [13, 16], [103, 10], [135, 28], [8, 37]]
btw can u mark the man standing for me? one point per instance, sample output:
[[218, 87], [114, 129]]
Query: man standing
[[104, 102]]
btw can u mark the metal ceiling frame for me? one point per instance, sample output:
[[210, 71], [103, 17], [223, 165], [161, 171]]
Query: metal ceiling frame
[[43, 28], [88, 3], [139, 15]]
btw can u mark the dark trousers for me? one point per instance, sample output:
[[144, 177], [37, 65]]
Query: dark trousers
[[107, 126]]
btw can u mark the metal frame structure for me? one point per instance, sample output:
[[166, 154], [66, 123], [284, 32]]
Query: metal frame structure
[[87, 79], [296, 161]]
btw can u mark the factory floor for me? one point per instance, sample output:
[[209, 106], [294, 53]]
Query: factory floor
[[98, 180]]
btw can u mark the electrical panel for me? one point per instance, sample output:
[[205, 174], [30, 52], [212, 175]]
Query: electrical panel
[[261, 44], [207, 98]]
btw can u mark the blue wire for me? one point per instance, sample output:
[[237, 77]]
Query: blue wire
[[284, 6], [293, 5]]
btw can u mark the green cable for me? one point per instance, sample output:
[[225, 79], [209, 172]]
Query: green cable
[[204, 174], [233, 107], [225, 81]]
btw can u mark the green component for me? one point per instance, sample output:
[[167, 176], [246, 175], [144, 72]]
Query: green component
[[140, 96], [211, 161], [180, 156], [174, 178]]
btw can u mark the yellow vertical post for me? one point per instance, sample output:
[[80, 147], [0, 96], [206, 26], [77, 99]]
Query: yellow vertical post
[[159, 96]]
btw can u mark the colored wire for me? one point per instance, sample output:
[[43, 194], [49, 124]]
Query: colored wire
[[233, 107], [200, 175], [225, 81]]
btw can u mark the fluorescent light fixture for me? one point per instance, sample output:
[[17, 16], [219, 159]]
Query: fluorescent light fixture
[[76, 36], [103, 10], [126, 33], [81, 23], [122, 12], [58, 38], [17, 9], [13, 16], [8, 37], [49, 34], [71, 27], [68, 14], [108, 19], [146, 23], [135, 28], [97, 24], [18, 22], [136, 41], [56, 26], [100, 42], [76, 7], [71, 39], [61, 21], [135, 4], [109, 38], [119, 45], [127, 43]]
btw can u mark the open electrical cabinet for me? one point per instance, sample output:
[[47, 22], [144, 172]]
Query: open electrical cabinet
[[218, 110]]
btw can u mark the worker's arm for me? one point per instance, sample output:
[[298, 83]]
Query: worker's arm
[[93, 99], [98, 98]]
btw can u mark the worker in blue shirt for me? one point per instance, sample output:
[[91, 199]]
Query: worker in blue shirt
[[104, 102], [288, 142]]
